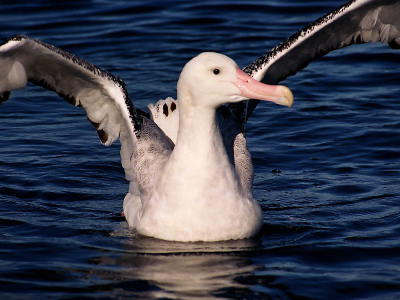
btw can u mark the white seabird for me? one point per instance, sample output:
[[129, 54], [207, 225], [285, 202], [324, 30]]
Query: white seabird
[[187, 162]]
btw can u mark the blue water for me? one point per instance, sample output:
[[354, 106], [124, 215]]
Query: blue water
[[327, 169]]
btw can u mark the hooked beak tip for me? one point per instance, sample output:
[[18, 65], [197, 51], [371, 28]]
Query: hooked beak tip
[[287, 95]]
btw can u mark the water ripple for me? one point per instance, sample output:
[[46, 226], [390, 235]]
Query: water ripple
[[326, 170]]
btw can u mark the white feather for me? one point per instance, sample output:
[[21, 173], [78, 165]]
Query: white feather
[[169, 121], [12, 75]]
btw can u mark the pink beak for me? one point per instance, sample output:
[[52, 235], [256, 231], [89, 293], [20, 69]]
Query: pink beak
[[253, 89]]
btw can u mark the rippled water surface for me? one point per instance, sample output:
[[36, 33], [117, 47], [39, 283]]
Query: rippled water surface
[[327, 169]]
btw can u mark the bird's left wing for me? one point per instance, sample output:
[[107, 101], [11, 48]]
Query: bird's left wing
[[358, 21]]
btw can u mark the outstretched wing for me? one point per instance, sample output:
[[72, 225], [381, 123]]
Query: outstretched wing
[[102, 95], [358, 21]]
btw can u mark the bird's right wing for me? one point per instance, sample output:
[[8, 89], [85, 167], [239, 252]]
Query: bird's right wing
[[102, 95]]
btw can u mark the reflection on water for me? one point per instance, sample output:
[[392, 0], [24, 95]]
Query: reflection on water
[[156, 268]]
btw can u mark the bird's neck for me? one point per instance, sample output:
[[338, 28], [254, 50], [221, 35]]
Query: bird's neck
[[199, 164], [199, 133]]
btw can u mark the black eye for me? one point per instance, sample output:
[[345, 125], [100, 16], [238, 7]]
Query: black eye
[[216, 71]]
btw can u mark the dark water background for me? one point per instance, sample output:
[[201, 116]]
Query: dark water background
[[327, 169]]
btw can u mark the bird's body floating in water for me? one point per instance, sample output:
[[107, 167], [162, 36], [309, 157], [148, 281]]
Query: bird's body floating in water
[[187, 161]]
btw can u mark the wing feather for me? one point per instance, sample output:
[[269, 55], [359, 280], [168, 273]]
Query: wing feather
[[358, 21], [102, 95]]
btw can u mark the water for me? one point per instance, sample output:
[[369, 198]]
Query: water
[[326, 169]]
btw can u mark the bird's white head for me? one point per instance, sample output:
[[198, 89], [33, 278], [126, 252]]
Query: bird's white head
[[210, 80]]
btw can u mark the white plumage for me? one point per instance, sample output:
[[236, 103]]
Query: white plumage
[[187, 161]]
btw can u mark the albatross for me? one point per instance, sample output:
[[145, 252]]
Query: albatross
[[187, 161]]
